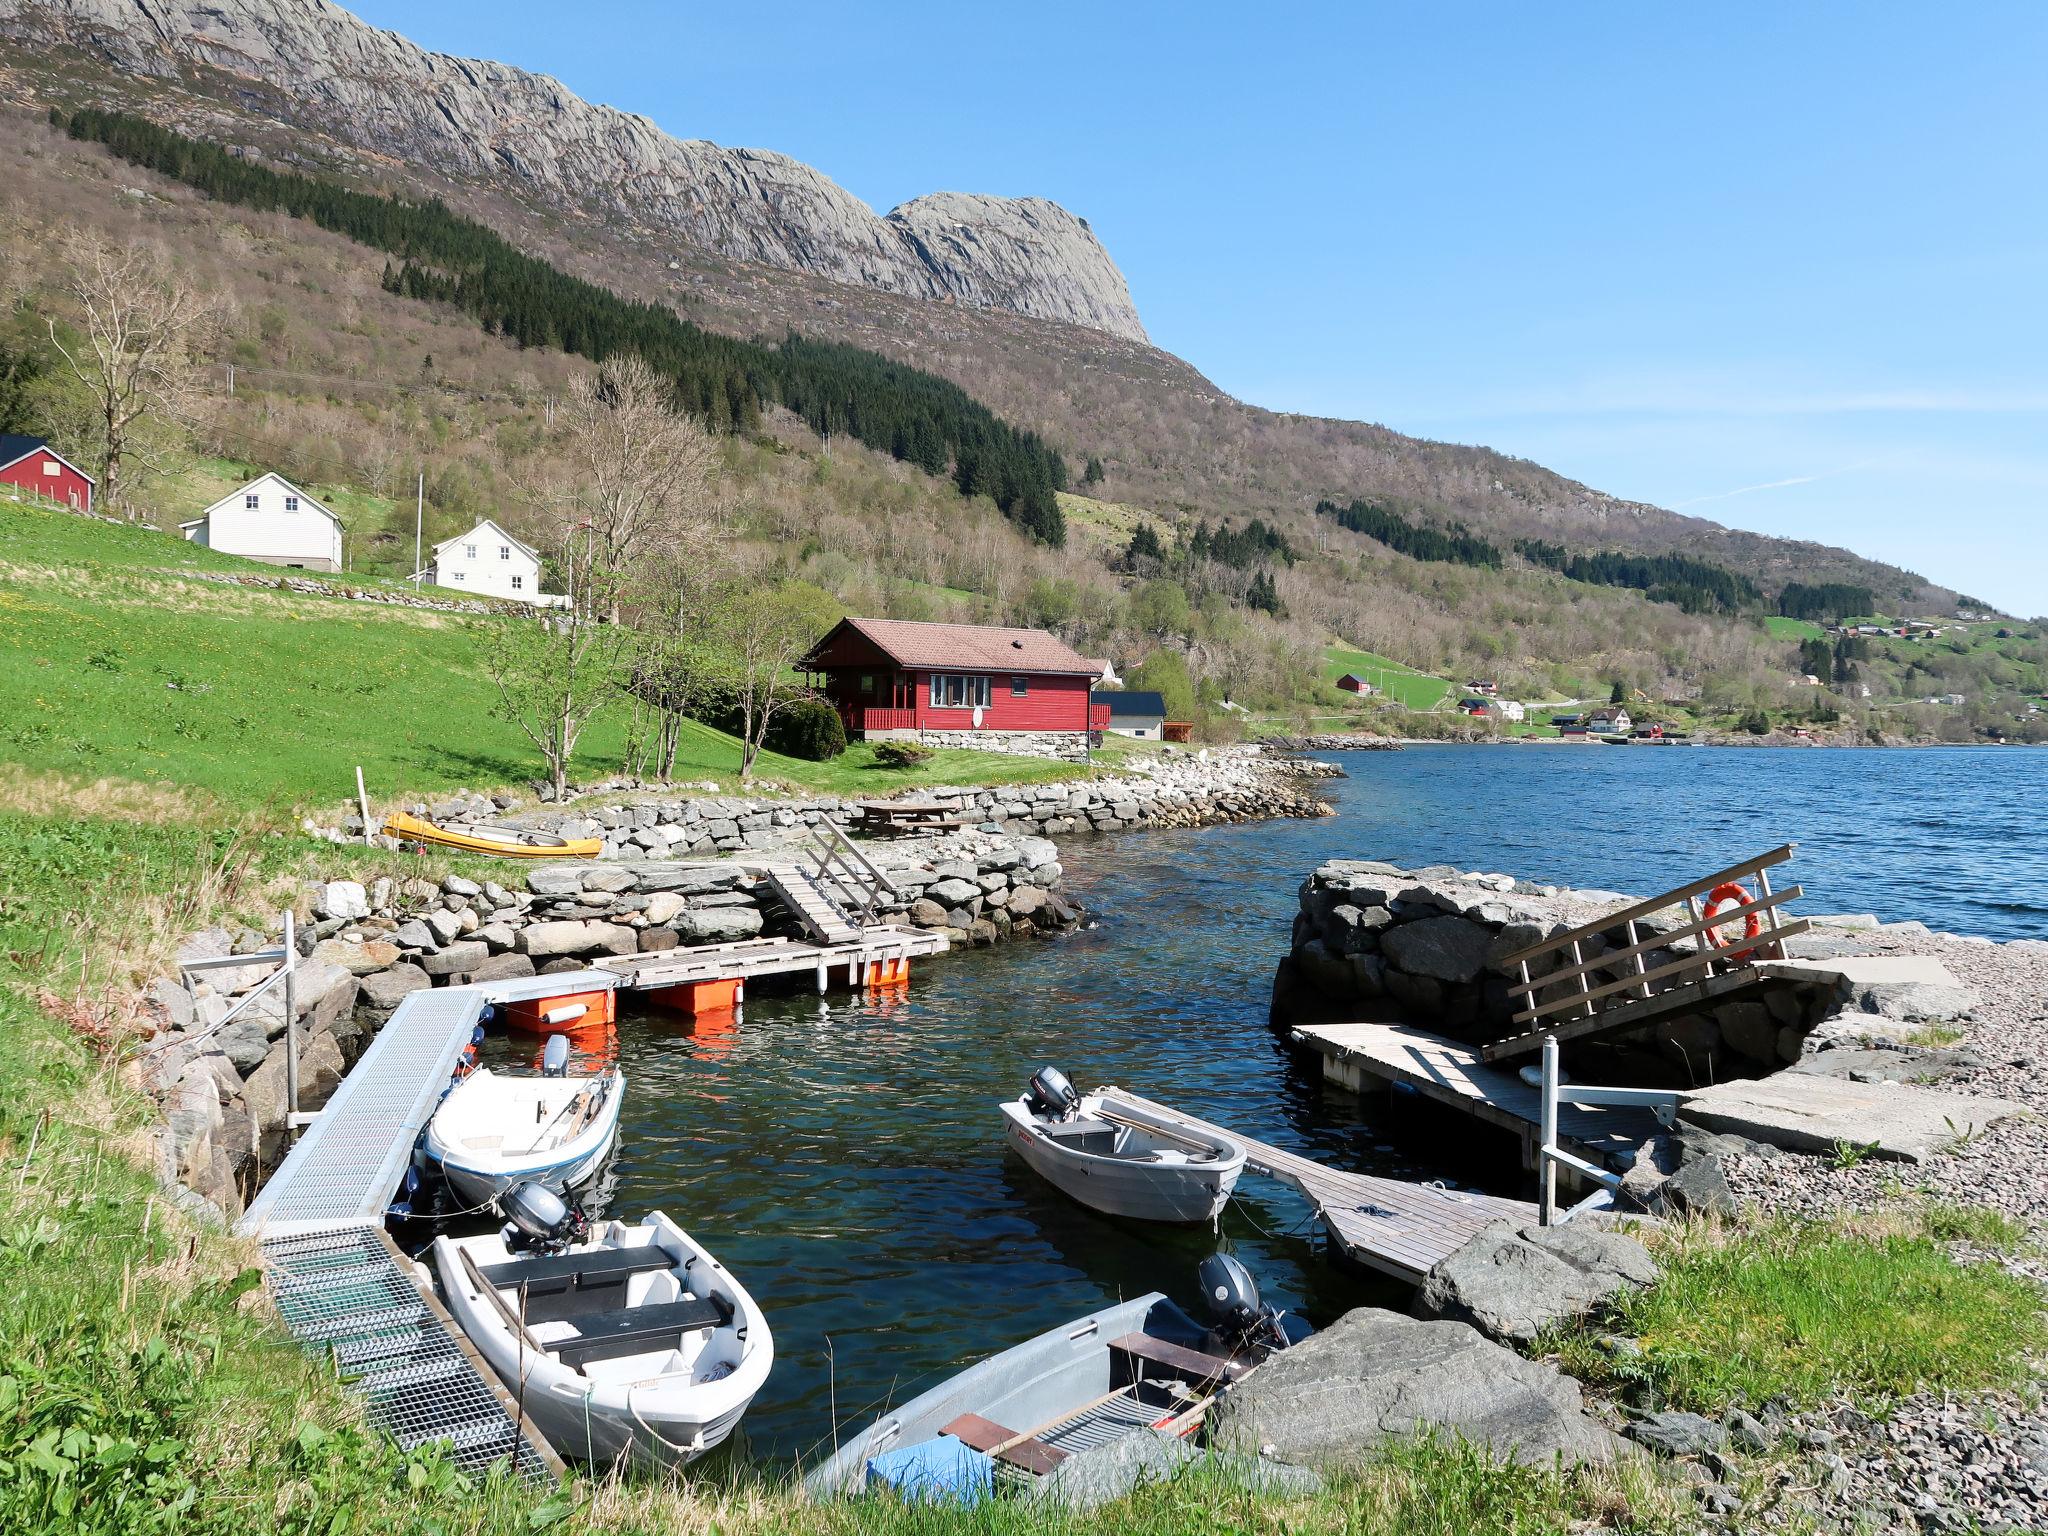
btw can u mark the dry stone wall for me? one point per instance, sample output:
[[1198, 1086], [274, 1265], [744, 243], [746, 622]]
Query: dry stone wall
[[364, 947]]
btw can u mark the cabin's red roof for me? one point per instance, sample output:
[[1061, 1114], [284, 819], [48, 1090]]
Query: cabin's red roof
[[969, 647]]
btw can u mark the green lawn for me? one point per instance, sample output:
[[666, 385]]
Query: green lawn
[[1782, 628], [114, 664], [1403, 684]]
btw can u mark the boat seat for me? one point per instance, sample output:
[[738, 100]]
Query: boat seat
[[544, 1274], [638, 1330], [1191, 1365], [1032, 1455]]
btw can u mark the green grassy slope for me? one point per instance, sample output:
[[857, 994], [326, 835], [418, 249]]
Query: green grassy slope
[[1403, 684], [115, 661]]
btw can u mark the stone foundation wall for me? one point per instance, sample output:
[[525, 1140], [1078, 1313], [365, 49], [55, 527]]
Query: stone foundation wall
[[1069, 746], [365, 947], [1428, 947]]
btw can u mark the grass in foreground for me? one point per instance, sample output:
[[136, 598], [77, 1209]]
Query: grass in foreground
[[1799, 1311]]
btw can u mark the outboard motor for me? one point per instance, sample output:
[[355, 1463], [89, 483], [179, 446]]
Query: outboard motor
[[554, 1057], [1051, 1094], [1242, 1319], [538, 1218]]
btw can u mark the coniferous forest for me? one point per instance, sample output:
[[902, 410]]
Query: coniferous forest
[[1375, 521], [1693, 585], [443, 257]]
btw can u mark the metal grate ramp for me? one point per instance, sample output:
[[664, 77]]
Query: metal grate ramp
[[350, 1296], [347, 1166]]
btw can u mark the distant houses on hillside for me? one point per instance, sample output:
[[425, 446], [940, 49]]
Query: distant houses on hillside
[[273, 521], [1351, 682], [490, 561]]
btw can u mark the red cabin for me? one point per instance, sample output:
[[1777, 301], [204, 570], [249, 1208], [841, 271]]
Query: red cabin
[[36, 467], [956, 685]]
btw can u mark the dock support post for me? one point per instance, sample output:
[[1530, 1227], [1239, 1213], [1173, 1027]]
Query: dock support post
[[291, 1024], [1546, 1171]]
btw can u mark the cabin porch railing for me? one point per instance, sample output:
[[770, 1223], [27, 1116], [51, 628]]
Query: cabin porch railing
[[886, 719]]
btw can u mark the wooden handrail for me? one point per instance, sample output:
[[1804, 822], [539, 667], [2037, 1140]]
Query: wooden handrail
[[1655, 904], [1662, 941], [1700, 962]]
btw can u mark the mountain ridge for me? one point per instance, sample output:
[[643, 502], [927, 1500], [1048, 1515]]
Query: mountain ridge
[[381, 92]]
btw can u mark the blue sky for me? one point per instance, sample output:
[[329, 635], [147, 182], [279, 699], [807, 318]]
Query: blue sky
[[1780, 265]]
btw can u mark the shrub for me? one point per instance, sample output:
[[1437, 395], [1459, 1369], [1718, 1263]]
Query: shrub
[[808, 729], [900, 754]]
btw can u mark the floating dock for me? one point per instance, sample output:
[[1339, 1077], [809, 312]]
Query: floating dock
[[342, 1287], [875, 947], [1391, 1225], [1357, 1055]]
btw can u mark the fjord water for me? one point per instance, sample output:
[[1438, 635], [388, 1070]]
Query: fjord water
[[845, 1157]]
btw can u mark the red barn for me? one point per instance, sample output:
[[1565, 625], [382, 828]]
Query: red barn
[[957, 685], [35, 466]]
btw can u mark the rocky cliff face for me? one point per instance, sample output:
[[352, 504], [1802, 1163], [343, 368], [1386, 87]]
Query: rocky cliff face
[[468, 117]]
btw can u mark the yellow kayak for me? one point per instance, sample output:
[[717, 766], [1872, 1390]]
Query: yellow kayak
[[505, 842]]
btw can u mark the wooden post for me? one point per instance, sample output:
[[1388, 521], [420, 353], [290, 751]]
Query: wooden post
[[1644, 989], [1585, 977], [291, 1025], [1763, 879], [363, 804], [1546, 1173]]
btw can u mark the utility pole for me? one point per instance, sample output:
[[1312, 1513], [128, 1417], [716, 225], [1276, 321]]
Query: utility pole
[[419, 523], [231, 380]]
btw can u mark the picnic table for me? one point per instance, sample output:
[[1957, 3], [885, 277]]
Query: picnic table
[[890, 817]]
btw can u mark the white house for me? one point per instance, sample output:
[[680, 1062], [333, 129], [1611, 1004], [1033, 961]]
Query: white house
[[1509, 709], [271, 520], [489, 561]]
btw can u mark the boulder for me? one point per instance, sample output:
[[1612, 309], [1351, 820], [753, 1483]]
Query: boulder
[[325, 993], [244, 1041], [953, 892], [383, 990], [356, 959], [663, 906], [456, 959], [414, 934], [502, 968], [655, 940], [1105, 1473], [546, 941], [1678, 1434], [1512, 1283], [1024, 901], [1374, 1375], [554, 881], [1699, 1188], [173, 1002], [608, 879], [1747, 1026], [718, 925], [345, 899], [1918, 1002], [927, 913], [461, 885], [443, 924]]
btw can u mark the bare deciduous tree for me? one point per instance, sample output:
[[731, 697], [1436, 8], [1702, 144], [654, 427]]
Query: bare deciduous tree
[[141, 331], [764, 631], [638, 472]]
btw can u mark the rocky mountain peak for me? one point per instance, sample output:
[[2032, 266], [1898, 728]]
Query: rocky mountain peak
[[323, 67]]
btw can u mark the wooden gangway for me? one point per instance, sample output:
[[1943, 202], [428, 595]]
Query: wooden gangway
[[1454, 1074], [1397, 1227], [1564, 999]]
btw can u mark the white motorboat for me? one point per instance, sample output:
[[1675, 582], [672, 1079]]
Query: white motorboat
[[497, 1129], [1119, 1158], [636, 1342]]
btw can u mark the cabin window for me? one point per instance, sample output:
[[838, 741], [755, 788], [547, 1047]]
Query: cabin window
[[291, 503], [1019, 687], [251, 502], [469, 550], [504, 551], [51, 467], [953, 690], [518, 582], [456, 574], [867, 682]]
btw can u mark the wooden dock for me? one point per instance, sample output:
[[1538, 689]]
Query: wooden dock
[[1398, 1228], [1454, 1074], [748, 958]]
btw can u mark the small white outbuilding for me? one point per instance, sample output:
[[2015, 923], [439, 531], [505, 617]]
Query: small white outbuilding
[[273, 521], [491, 562]]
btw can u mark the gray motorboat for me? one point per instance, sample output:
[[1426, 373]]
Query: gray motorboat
[[1141, 1365], [1119, 1158]]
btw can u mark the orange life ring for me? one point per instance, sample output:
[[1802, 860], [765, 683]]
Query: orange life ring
[[1732, 892]]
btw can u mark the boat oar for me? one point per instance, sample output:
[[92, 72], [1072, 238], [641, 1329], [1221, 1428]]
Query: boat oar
[[1185, 1138]]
